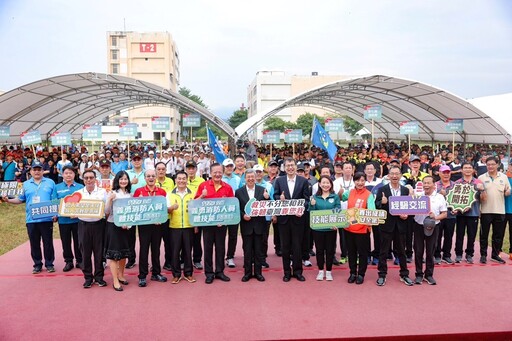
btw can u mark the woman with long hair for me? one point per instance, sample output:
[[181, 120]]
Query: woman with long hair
[[117, 248], [325, 240]]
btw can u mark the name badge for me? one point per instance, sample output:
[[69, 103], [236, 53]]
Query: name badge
[[36, 199]]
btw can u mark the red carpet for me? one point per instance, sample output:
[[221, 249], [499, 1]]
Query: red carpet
[[469, 299]]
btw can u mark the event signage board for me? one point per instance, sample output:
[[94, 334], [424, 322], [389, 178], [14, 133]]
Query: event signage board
[[191, 120], [409, 128], [461, 197], [410, 205], [255, 208], [140, 211], [454, 125], [334, 124], [60, 139], [11, 189], [147, 47], [372, 112], [74, 205], [128, 130], [271, 136], [160, 123], [326, 219], [45, 209], [293, 136], [212, 212], [5, 131], [92, 132], [31, 137]]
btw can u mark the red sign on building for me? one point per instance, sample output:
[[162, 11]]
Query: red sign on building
[[147, 47]]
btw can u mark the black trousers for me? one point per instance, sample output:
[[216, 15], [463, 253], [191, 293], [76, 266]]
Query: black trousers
[[266, 232], [150, 237], [469, 225], [132, 238], [197, 248], [232, 240], [181, 244], [445, 238], [343, 243], [306, 238], [498, 231], [376, 242], [409, 236], [277, 238], [325, 246], [214, 236], [91, 240], [508, 218], [398, 240], [37, 232], [424, 245], [291, 234], [357, 247], [252, 245], [166, 237], [69, 235]]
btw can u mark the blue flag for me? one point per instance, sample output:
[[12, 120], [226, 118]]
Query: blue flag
[[321, 139], [214, 145]]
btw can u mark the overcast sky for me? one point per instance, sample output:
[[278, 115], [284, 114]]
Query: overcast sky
[[464, 47]]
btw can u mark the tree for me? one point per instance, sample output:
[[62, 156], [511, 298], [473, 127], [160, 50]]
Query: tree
[[351, 125], [305, 122], [237, 118], [277, 123], [187, 93]]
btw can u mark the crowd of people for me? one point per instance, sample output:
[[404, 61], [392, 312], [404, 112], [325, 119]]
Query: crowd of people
[[358, 177]]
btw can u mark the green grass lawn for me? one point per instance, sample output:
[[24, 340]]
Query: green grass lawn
[[13, 231]]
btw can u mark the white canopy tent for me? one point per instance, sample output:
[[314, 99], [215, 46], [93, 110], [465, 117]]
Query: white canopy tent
[[401, 100]]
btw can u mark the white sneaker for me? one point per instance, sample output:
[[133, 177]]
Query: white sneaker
[[328, 276], [307, 263], [320, 276], [230, 263]]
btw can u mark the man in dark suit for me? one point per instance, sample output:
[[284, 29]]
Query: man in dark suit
[[394, 228], [252, 228], [291, 227]]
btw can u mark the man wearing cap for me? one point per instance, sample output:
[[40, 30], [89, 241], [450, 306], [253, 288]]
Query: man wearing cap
[[446, 226], [258, 172], [106, 177], [137, 180], [492, 208], [149, 162], [116, 166], [68, 227], [214, 235], [426, 230], [36, 190], [233, 181], [167, 184], [61, 164], [193, 183], [166, 160]]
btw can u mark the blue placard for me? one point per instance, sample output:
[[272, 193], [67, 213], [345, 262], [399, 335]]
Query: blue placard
[[191, 120], [92, 133], [409, 128], [293, 136], [31, 137], [11, 189], [271, 136], [160, 123], [372, 112], [60, 139], [129, 130], [334, 124], [454, 124], [5, 131], [213, 212], [45, 209], [140, 211]]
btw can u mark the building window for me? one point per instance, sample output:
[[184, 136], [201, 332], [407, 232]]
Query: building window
[[114, 41], [254, 91], [115, 54], [115, 69]]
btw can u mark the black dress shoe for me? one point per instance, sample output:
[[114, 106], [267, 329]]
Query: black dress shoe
[[125, 282], [130, 265], [260, 278], [68, 267], [360, 279], [352, 278], [279, 253], [117, 289], [222, 277], [286, 278], [101, 283], [88, 284], [300, 278], [142, 282], [265, 264], [209, 280], [158, 278], [78, 266], [246, 278]]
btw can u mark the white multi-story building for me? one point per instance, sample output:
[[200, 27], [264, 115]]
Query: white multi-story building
[[271, 88], [152, 57]]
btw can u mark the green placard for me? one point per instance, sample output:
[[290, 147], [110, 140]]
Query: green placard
[[213, 212], [191, 120], [461, 197], [160, 123], [271, 136], [5, 131], [31, 137], [140, 211], [60, 139], [372, 112], [293, 136], [327, 219]]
